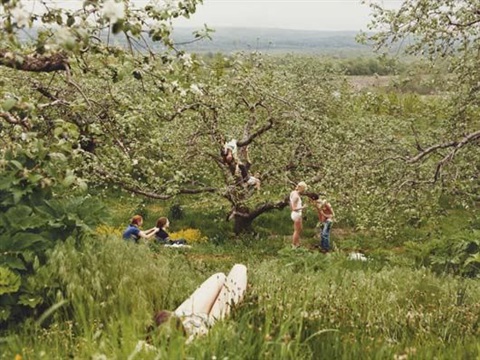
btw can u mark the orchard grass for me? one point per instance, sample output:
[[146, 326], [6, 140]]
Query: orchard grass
[[300, 304]]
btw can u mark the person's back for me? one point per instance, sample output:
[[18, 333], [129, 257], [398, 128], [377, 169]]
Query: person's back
[[132, 233]]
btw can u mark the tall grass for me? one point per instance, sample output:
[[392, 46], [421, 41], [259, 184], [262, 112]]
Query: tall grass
[[299, 305]]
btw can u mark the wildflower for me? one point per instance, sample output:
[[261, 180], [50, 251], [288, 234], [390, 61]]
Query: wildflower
[[113, 10]]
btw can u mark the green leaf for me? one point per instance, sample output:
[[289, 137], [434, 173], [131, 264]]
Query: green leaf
[[69, 180], [23, 241], [8, 104], [9, 281], [17, 215], [30, 300], [12, 262]]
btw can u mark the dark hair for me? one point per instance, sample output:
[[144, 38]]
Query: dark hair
[[161, 222], [167, 318], [161, 317], [312, 196]]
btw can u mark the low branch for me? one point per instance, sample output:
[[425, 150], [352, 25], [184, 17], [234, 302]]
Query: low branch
[[260, 131], [466, 140], [34, 63], [269, 206], [430, 150], [12, 119]]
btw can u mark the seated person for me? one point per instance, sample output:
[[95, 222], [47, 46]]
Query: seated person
[[133, 232], [162, 237], [211, 302]]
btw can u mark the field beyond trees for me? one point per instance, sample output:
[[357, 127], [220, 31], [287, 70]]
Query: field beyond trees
[[93, 133]]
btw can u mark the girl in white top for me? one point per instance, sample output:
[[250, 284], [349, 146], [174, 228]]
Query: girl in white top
[[296, 215]]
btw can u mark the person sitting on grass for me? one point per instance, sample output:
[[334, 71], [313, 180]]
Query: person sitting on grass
[[133, 232], [212, 301], [162, 237]]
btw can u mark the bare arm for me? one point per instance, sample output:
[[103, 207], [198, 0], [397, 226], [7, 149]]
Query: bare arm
[[148, 233]]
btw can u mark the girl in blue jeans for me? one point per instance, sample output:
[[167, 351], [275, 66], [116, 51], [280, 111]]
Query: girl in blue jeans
[[325, 217]]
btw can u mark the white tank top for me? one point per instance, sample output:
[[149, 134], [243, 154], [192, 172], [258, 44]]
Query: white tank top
[[299, 202]]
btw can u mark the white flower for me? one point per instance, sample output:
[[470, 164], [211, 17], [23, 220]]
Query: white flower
[[195, 89], [20, 16], [187, 60], [183, 92], [63, 36], [135, 162], [113, 10]]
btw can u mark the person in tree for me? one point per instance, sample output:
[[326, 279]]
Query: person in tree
[[243, 169], [133, 232], [229, 152], [296, 208], [162, 237], [325, 217], [212, 301]]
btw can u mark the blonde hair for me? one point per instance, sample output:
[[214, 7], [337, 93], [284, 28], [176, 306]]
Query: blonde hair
[[302, 184]]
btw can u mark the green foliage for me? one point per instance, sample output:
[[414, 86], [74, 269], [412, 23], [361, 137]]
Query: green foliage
[[36, 214], [299, 304], [457, 254]]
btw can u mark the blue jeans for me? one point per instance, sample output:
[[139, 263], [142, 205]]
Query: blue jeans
[[325, 235]]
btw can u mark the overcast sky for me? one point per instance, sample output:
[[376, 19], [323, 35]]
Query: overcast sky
[[285, 14]]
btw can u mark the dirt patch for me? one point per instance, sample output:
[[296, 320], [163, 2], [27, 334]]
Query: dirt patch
[[366, 82]]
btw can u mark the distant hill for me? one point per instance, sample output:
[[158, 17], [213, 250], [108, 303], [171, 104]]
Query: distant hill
[[229, 40]]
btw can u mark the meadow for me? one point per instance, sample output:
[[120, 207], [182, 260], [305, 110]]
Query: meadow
[[300, 303]]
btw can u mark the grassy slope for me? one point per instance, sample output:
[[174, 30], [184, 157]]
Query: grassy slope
[[300, 304]]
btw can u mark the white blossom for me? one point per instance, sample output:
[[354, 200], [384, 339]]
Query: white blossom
[[20, 15], [195, 89], [113, 10], [183, 92], [187, 60], [135, 162], [63, 36]]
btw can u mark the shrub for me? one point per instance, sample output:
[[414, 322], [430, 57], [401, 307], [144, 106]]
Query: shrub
[[36, 213]]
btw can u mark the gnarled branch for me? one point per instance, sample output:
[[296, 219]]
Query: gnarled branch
[[35, 63]]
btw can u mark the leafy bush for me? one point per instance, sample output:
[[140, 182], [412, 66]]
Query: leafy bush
[[457, 254], [36, 213]]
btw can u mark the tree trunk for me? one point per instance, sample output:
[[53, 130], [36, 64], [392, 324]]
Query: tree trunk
[[242, 224]]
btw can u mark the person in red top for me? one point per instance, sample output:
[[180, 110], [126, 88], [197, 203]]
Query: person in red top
[[325, 218]]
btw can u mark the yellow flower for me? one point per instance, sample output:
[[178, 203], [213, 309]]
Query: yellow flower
[[108, 230], [191, 235]]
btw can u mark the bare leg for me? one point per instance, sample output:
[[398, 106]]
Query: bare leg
[[231, 293], [202, 299], [297, 231]]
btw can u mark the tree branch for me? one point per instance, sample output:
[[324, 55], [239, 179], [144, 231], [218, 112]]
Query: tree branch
[[12, 119], [260, 131], [34, 63], [466, 140]]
